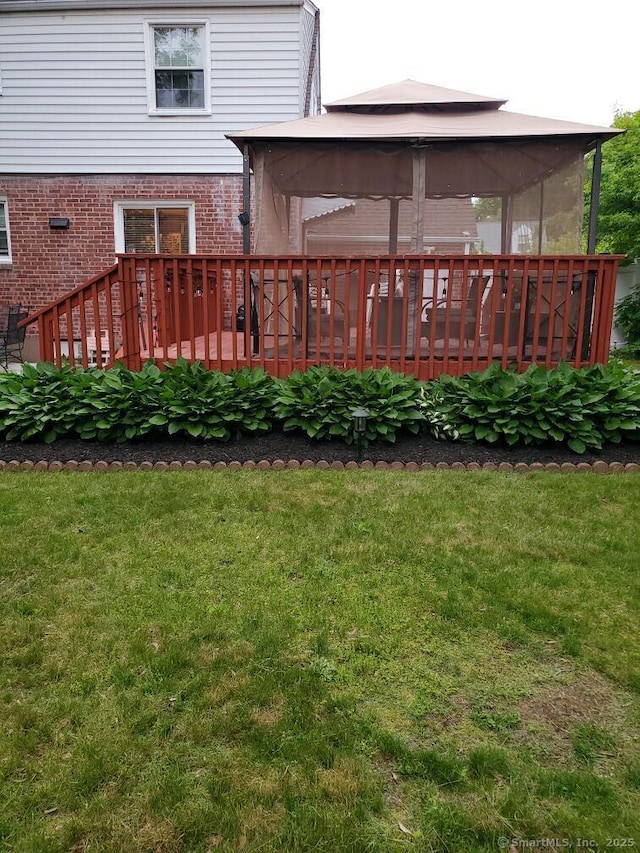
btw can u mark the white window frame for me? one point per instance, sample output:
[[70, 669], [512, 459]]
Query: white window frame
[[6, 259], [118, 218], [150, 55]]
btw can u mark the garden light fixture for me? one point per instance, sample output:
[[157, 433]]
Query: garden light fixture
[[360, 420], [359, 427]]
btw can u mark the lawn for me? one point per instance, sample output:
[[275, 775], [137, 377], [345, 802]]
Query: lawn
[[318, 661]]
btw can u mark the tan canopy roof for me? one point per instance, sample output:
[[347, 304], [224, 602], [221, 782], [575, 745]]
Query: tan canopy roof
[[410, 92], [417, 111]]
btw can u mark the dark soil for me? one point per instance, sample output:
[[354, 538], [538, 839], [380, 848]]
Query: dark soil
[[277, 445]]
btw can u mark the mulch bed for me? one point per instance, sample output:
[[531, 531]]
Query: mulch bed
[[278, 445]]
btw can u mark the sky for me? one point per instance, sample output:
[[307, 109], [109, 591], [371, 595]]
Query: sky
[[568, 59]]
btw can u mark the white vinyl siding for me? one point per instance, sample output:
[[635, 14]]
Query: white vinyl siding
[[155, 226], [5, 238], [75, 91]]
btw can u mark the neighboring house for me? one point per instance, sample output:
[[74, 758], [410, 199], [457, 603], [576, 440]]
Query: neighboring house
[[112, 123], [523, 236], [449, 227]]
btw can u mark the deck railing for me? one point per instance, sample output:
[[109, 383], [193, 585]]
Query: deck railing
[[84, 325], [423, 315]]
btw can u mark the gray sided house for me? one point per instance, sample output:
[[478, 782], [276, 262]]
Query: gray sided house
[[113, 118]]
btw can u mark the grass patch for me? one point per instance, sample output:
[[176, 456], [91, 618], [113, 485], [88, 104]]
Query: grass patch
[[364, 661]]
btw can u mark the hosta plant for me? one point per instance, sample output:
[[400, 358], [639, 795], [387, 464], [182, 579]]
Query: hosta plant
[[46, 402], [580, 408], [321, 402]]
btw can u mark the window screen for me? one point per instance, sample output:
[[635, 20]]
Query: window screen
[[179, 67]]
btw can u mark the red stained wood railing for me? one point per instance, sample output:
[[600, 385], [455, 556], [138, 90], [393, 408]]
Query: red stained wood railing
[[83, 326], [423, 315]]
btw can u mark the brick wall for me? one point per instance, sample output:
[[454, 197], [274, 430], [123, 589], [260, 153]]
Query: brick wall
[[46, 263]]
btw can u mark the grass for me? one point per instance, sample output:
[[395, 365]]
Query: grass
[[317, 661]]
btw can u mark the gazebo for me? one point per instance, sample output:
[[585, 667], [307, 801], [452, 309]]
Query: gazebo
[[412, 148], [412, 226]]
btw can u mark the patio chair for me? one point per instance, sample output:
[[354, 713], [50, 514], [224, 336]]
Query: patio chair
[[11, 337], [330, 325], [461, 328]]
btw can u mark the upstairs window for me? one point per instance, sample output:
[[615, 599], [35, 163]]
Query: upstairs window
[[155, 228], [178, 68], [5, 244]]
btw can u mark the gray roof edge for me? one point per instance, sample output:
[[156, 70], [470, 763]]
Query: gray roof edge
[[108, 5]]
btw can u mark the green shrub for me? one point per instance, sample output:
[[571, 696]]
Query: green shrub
[[41, 403], [320, 402], [627, 318], [581, 408], [211, 405], [46, 402], [118, 404]]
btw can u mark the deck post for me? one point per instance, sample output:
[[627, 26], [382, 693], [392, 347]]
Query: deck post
[[130, 307], [595, 199]]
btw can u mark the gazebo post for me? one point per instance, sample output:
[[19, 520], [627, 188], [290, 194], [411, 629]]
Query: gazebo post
[[595, 199], [591, 247], [246, 201], [419, 194], [507, 224], [394, 214], [541, 217]]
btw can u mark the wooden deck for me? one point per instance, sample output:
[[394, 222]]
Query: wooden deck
[[423, 315], [232, 348]]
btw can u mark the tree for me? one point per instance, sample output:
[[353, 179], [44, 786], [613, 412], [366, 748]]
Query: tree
[[619, 212], [487, 209]]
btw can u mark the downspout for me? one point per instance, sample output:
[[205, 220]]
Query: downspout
[[313, 54]]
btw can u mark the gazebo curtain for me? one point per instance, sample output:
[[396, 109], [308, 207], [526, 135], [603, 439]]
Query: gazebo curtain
[[368, 198]]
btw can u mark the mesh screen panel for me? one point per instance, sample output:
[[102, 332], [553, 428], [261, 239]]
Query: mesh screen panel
[[371, 199]]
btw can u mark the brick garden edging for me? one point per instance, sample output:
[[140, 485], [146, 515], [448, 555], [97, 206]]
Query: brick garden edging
[[598, 467]]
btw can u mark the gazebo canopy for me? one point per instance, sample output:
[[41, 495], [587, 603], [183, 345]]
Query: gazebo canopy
[[409, 154]]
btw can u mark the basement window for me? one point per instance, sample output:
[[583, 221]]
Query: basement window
[[155, 227]]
